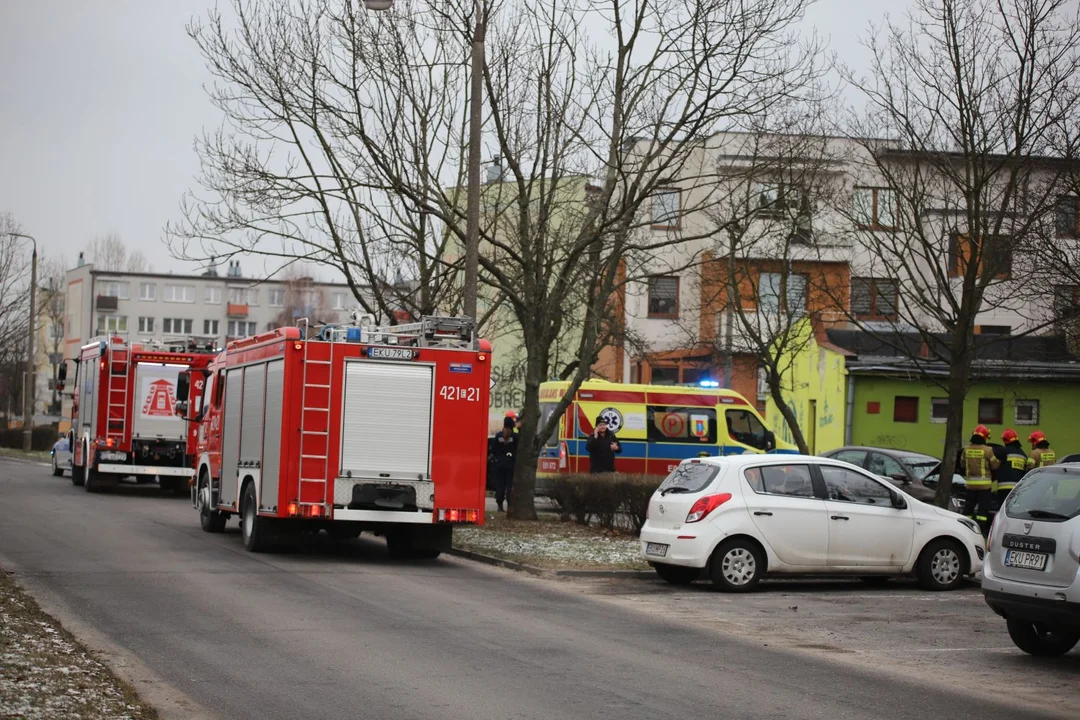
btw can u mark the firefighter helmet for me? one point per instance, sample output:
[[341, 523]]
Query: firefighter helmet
[[982, 431], [1008, 436], [1036, 437], [511, 414]]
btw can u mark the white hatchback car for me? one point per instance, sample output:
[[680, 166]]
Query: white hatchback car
[[739, 518]]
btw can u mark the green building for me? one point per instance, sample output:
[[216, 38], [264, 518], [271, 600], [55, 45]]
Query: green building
[[890, 400]]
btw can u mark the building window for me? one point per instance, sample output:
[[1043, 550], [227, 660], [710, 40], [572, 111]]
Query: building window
[[876, 208], [146, 325], [210, 327], [998, 254], [277, 297], [781, 199], [993, 329], [111, 324], [762, 384], [874, 298], [241, 328], [252, 296], [237, 296], [991, 411], [339, 300], [148, 291], [939, 410], [905, 409], [213, 295], [116, 289], [180, 293], [177, 326], [1027, 412], [1066, 301], [664, 296], [666, 209], [665, 375], [771, 288], [1067, 216]]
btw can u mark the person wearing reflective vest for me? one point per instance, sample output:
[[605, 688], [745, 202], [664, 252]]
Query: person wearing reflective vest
[[979, 463], [1013, 461], [1041, 454]]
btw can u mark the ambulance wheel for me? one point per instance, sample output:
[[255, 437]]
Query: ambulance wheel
[[78, 475], [255, 529], [212, 521]]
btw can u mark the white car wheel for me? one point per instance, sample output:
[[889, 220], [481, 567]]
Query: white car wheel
[[737, 565], [942, 565]]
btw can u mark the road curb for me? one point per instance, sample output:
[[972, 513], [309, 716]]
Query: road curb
[[541, 572], [169, 702]]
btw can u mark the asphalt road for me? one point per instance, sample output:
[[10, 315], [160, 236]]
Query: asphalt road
[[331, 631]]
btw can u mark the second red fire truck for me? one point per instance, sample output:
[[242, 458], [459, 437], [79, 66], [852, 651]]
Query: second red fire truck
[[357, 428], [123, 417]]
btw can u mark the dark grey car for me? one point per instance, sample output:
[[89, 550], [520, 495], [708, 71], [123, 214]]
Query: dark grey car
[[914, 473]]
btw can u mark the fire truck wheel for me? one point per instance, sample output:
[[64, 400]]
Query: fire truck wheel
[[255, 529], [93, 481], [77, 476], [211, 520]]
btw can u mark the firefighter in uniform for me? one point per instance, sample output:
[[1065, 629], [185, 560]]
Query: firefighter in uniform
[[1041, 454], [1013, 461], [979, 462]]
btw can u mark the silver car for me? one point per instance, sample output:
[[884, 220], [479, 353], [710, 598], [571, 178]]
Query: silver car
[[1031, 576], [61, 456]]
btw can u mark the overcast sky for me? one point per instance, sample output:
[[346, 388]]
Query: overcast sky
[[100, 101]]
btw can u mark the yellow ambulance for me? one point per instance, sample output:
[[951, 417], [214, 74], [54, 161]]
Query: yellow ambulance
[[657, 425]]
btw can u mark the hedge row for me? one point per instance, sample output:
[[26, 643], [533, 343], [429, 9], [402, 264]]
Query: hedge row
[[42, 438], [617, 501]]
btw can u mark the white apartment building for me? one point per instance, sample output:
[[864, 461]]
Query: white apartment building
[[845, 210]]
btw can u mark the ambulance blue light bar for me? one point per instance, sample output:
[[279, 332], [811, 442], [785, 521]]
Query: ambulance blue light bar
[[709, 384]]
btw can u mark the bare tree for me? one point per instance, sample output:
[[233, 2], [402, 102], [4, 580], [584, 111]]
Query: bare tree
[[765, 287], [974, 97], [303, 299], [108, 252], [290, 181], [14, 313], [591, 139], [52, 291]]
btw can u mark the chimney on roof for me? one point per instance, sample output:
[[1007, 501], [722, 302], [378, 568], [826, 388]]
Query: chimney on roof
[[494, 170], [82, 261], [211, 270]]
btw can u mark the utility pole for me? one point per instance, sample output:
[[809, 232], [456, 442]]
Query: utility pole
[[28, 384], [476, 116]]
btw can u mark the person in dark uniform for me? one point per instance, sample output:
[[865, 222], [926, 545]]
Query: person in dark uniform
[[603, 446], [1013, 461], [503, 449]]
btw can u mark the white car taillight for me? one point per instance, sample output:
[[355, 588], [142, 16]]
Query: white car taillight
[[706, 505]]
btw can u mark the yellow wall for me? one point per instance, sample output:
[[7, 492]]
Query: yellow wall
[[814, 376]]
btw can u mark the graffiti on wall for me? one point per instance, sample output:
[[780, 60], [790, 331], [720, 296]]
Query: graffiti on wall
[[508, 392], [888, 440]]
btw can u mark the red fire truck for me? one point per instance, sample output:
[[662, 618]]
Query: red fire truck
[[123, 417], [357, 428]]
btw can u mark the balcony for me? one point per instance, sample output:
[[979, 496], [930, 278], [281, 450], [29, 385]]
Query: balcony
[[237, 310], [105, 302]]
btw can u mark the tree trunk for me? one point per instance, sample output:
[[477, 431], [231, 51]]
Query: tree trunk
[[789, 417], [954, 428], [523, 499]]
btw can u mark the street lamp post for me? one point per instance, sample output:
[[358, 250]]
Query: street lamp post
[[476, 108], [28, 384]]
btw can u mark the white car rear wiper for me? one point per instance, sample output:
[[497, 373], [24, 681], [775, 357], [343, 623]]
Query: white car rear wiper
[[1047, 514], [676, 489]]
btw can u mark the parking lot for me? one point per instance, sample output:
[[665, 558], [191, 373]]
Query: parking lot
[[950, 639]]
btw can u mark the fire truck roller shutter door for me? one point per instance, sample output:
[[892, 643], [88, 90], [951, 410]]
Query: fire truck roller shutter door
[[251, 424], [275, 386], [230, 435], [386, 432]]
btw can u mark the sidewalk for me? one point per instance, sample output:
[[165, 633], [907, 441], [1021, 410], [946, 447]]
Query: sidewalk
[[45, 673]]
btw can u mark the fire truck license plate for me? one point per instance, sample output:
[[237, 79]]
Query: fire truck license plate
[[113, 455], [387, 353]]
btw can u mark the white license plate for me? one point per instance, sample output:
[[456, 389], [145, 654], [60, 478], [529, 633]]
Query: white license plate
[[112, 455], [1026, 560], [656, 549]]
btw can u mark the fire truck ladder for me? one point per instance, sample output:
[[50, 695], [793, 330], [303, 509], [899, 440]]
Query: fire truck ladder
[[314, 408], [118, 402]]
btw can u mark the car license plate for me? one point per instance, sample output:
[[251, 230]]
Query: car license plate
[[656, 549], [1026, 560]]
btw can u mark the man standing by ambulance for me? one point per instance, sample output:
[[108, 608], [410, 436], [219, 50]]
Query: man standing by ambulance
[[603, 446], [503, 450], [979, 462]]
